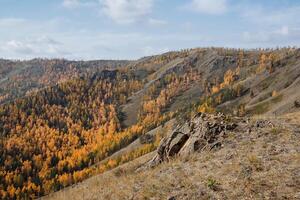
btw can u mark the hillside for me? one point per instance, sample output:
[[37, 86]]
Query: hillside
[[102, 114], [259, 164], [19, 78]]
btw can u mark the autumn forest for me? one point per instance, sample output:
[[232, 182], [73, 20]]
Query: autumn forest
[[61, 133]]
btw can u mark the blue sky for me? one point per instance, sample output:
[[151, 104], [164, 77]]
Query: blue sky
[[130, 29]]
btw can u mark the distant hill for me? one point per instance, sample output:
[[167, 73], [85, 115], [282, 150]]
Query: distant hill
[[19, 78], [63, 121]]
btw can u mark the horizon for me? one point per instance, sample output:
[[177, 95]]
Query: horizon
[[153, 55], [132, 29]]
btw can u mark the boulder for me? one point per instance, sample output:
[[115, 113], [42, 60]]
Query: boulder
[[204, 131]]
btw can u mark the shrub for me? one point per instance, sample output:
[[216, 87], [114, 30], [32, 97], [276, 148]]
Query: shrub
[[275, 130], [212, 184]]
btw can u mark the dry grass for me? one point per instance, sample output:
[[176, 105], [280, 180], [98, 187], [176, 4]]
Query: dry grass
[[263, 164]]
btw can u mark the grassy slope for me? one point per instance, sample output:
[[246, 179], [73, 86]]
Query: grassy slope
[[263, 164]]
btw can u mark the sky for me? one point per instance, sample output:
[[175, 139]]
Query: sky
[[130, 29]]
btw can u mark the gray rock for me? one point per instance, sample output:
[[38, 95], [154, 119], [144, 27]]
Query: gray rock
[[204, 131]]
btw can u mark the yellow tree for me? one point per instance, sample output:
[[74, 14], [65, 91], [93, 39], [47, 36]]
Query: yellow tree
[[262, 64]]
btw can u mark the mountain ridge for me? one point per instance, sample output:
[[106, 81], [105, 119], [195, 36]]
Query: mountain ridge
[[90, 122]]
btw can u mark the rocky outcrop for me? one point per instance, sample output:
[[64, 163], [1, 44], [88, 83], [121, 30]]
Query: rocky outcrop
[[204, 131]]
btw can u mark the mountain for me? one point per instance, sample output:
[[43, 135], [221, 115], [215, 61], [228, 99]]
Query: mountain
[[19, 78], [66, 124]]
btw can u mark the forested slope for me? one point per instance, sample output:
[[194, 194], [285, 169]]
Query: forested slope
[[19, 78], [56, 136]]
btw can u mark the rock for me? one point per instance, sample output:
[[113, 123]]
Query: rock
[[169, 147], [172, 198], [297, 104], [204, 131], [176, 144], [194, 144], [263, 123]]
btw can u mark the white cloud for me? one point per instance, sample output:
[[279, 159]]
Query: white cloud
[[8, 22], [71, 4], [157, 22], [257, 37], [284, 31], [268, 26], [281, 36], [43, 46], [120, 11], [18, 47], [262, 16], [149, 50], [46, 40], [126, 11], [26, 38], [212, 7]]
